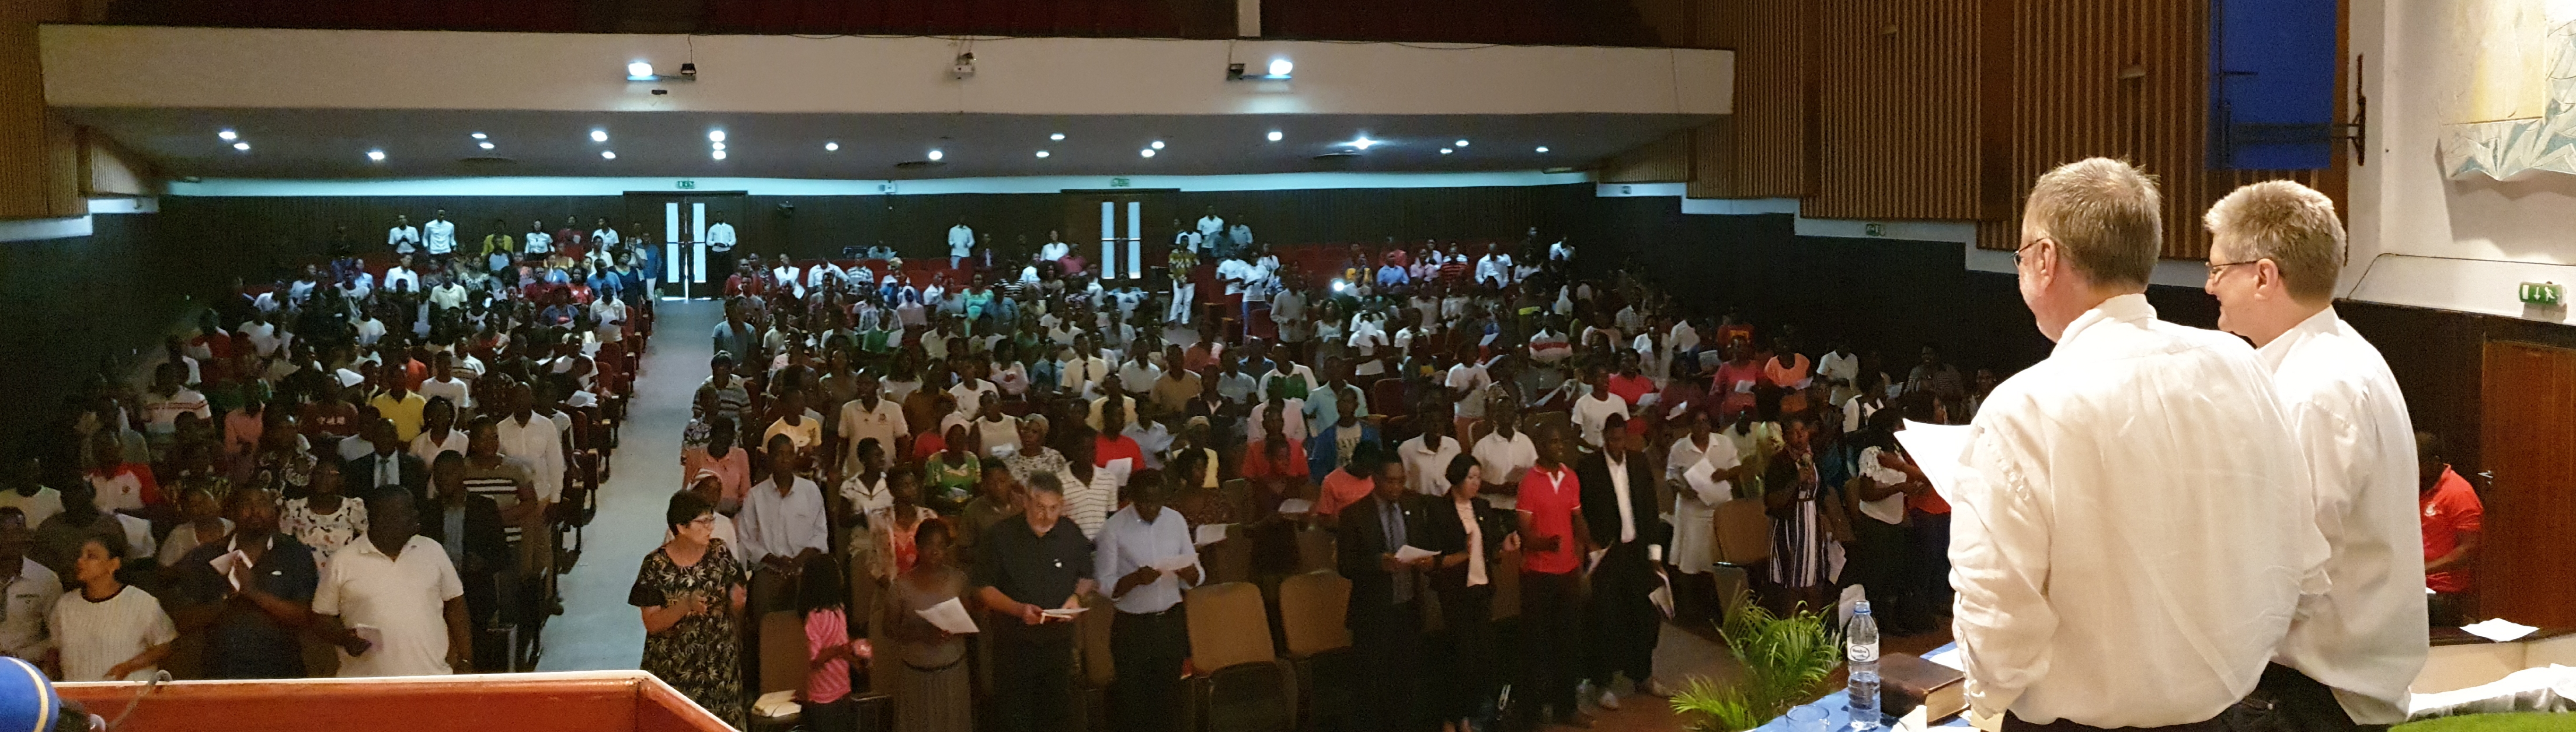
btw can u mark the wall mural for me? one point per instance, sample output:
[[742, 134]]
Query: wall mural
[[2523, 94]]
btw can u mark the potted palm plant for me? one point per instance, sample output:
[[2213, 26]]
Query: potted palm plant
[[1785, 660]]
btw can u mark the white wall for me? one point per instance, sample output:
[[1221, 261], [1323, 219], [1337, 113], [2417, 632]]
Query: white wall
[[2423, 72], [108, 66]]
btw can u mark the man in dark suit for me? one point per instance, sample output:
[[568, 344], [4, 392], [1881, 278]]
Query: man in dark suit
[[1619, 508], [389, 467], [470, 528], [1384, 619]]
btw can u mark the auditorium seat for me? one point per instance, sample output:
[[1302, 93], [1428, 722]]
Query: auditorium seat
[[1311, 610], [1098, 667], [1241, 684], [783, 663], [1315, 550], [1229, 560]]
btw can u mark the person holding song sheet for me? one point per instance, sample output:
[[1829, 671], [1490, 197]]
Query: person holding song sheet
[[1147, 560], [2134, 529], [1033, 572], [933, 691]]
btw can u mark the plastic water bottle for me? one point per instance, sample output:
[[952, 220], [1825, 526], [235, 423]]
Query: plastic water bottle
[[1862, 656]]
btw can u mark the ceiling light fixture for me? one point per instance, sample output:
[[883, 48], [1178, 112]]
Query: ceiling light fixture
[[1462, 142], [228, 135], [936, 155], [481, 136], [831, 147], [1278, 68], [719, 154], [242, 146], [639, 71], [1147, 152], [608, 154], [1542, 148], [716, 145], [1445, 151], [1364, 143], [376, 155], [598, 135], [1158, 144], [1043, 153], [715, 135], [487, 145], [1276, 136], [1059, 137]]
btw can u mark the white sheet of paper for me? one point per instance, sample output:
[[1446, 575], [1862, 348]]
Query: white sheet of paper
[[1296, 505], [1176, 562], [224, 566], [1937, 449], [1210, 534], [950, 616], [2499, 630], [1410, 552], [374, 636], [1063, 613], [1952, 658]]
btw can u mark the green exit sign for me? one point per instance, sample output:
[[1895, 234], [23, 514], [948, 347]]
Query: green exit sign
[[1117, 182], [1874, 229], [688, 185]]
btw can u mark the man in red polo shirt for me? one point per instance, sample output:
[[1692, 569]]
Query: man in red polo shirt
[[1553, 547], [2451, 513]]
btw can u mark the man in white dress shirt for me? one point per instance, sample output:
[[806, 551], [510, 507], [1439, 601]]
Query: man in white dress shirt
[[438, 235], [961, 244], [404, 238], [2276, 251], [720, 241], [603, 236], [2132, 530], [1150, 635]]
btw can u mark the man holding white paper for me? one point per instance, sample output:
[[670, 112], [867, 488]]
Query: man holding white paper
[[1384, 619], [2133, 533], [1146, 557], [1026, 568], [2275, 253]]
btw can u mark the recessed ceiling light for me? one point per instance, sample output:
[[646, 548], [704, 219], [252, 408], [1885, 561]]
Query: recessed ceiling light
[[719, 154], [228, 135], [715, 135], [1462, 142], [1542, 148], [716, 145], [487, 145], [640, 71], [1158, 144], [242, 146], [1057, 136], [1445, 151], [1280, 67], [598, 135], [1147, 152], [1276, 136], [1363, 143], [935, 155], [481, 136], [608, 154], [376, 155], [1043, 153], [831, 147]]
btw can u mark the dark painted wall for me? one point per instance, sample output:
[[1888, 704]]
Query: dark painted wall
[[69, 306]]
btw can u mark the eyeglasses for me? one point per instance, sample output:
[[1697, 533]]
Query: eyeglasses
[[2216, 269], [2017, 252]]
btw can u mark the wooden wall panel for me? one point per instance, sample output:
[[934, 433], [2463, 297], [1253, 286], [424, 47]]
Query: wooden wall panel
[[38, 157], [2124, 79], [1713, 168], [1772, 133], [1668, 160], [1898, 107]]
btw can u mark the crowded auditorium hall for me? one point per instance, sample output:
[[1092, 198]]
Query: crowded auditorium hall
[[1287, 365]]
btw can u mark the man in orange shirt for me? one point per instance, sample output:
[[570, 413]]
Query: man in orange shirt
[[2451, 515]]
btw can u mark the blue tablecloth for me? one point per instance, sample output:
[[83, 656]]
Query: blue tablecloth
[[1837, 707]]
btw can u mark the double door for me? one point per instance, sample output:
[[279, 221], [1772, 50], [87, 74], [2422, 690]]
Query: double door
[[1120, 252], [690, 267]]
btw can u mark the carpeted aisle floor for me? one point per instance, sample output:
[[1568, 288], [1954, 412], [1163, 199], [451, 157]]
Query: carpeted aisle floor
[[598, 630]]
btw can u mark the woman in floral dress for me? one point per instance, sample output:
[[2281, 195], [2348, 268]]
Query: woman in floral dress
[[691, 609]]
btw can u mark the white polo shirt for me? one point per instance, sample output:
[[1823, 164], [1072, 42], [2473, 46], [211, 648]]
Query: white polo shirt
[[403, 598]]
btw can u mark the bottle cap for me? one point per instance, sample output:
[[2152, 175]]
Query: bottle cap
[[1860, 607]]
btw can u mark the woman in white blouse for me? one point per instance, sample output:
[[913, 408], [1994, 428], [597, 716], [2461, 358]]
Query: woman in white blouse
[[325, 520]]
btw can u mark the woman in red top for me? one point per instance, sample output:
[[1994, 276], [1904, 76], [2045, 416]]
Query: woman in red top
[[1735, 381]]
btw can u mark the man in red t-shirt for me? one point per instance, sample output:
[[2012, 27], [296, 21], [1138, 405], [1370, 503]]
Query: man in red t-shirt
[[2451, 512], [1553, 548]]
